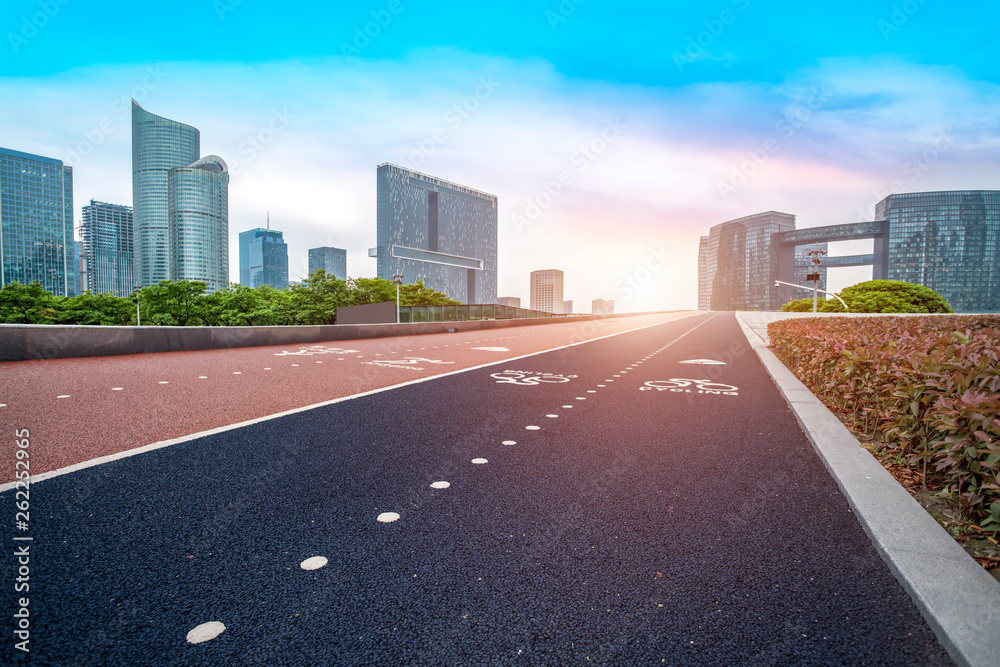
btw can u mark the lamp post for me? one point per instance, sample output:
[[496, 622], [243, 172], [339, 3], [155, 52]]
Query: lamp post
[[138, 288], [782, 282], [398, 278]]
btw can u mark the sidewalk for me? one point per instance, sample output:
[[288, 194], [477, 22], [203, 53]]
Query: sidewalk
[[958, 598]]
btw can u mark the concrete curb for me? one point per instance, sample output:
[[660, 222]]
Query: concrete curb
[[957, 597]]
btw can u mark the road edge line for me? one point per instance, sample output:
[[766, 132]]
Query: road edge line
[[957, 597], [109, 458]]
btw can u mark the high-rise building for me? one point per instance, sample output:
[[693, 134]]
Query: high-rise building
[[36, 222], [198, 217], [509, 301], [440, 232], [568, 307], [947, 241], [331, 260], [736, 271], [158, 145], [547, 290], [107, 250], [602, 307], [263, 258]]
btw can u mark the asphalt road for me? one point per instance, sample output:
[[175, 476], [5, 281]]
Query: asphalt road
[[605, 504]]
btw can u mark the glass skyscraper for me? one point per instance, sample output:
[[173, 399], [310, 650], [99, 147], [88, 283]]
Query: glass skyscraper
[[158, 145], [106, 233], [331, 260], [735, 268], [442, 233], [947, 241], [36, 222], [263, 258], [198, 222]]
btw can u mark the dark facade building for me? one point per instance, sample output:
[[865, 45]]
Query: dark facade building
[[442, 233], [736, 271], [263, 258], [36, 223], [331, 260], [948, 241], [106, 233]]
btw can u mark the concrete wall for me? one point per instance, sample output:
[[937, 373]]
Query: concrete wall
[[369, 313], [20, 342]]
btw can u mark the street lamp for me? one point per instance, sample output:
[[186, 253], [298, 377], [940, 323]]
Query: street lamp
[[398, 278], [782, 282], [138, 288]]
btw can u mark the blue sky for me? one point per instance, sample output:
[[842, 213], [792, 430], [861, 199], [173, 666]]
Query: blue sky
[[614, 133]]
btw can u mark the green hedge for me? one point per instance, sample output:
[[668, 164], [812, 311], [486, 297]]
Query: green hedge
[[928, 387]]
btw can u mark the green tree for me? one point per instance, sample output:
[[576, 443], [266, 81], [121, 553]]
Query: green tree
[[28, 304], [373, 290], [416, 294], [888, 296], [315, 300], [241, 306], [176, 303], [803, 305], [106, 309]]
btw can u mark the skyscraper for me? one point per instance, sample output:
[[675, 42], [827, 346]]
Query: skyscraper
[[948, 241], [198, 222], [442, 233], [331, 260], [509, 301], [263, 258], [107, 244], [736, 271], [36, 222], [547, 290], [602, 307]]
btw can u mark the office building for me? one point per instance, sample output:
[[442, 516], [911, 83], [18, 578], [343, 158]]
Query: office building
[[106, 248], [602, 307], [263, 258], [948, 241], [36, 222], [440, 232], [331, 260], [736, 271], [509, 301], [547, 290], [158, 145], [198, 222], [568, 307]]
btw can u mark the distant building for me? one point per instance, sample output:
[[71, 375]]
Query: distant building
[[440, 232], [509, 301], [948, 241], [263, 258], [735, 265], [547, 290], [158, 145], [106, 248], [36, 222], [331, 260], [198, 229], [568, 307], [602, 307]]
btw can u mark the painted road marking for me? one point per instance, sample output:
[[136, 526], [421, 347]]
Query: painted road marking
[[552, 416], [510, 442], [118, 389], [313, 563], [529, 378], [479, 462], [532, 428], [492, 349], [683, 385], [440, 485], [205, 631], [703, 361], [388, 517], [63, 396], [309, 350]]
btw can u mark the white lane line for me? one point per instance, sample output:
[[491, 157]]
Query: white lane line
[[510, 442], [164, 381], [118, 389], [237, 372], [532, 428], [581, 398], [567, 406], [3, 405], [267, 369], [388, 517], [205, 632], [63, 396], [591, 391], [205, 377], [313, 563], [440, 485], [479, 462], [552, 416], [231, 427]]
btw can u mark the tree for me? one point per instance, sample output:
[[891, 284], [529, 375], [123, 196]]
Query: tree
[[28, 304], [373, 290], [175, 303], [803, 305], [315, 300], [416, 294], [242, 306], [888, 296], [88, 308]]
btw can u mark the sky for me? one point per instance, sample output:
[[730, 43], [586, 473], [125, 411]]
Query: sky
[[614, 134]]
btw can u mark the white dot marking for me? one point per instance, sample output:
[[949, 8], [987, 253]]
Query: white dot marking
[[552, 416], [388, 517], [440, 485], [479, 462], [532, 428], [313, 563], [205, 631], [117, 388], [510, 442]]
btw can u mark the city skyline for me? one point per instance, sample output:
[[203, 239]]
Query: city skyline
[[614, 137]]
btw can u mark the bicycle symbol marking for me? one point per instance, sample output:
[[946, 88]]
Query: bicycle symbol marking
[[684, 386], [530, 378]]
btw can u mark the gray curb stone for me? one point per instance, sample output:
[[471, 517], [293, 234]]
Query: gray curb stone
[[957, 597]]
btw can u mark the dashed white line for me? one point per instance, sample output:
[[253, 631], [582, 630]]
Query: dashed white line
[[551, 416], [479, 462], [388, 517], [118, 389], [532, 428], [164, 381], [510, 442], [440, 485], [313, 563], [205, 632]]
